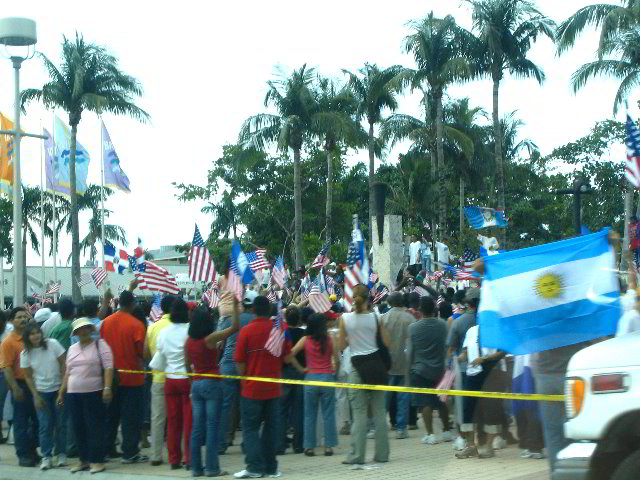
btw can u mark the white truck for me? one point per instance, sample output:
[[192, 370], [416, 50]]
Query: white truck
[[603, 412]]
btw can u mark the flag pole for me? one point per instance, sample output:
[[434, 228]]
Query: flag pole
[[42, 214], [102, 187], [55, 213]]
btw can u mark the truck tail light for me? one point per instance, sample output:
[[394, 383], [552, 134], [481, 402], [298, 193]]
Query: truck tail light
[[610, 383], [574, 396]]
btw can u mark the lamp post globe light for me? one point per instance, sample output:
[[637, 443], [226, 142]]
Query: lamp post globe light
[[16, 32]]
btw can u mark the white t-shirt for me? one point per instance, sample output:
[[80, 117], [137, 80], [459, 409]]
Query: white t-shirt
[[45, 366], [414, 250], [628, 323], [52, 322], [443, 252], [474, 351], [170, 346], [8, 328]]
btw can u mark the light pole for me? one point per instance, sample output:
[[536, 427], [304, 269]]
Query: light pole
[[17, 32]]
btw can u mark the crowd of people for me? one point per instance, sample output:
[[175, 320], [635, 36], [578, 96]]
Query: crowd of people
[[80, 381]]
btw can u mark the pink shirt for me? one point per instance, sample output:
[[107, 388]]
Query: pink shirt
[[84, 369], [318, 362]]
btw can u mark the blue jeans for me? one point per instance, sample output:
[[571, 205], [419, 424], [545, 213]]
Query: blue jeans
[[4, 390], [25, 424], [230, 390], [260, 446], [553, 414], [206, 403], [53, 425], [327, 398], [402, 402]]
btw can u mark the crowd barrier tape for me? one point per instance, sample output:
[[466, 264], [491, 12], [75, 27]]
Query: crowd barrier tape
[[361, 386]]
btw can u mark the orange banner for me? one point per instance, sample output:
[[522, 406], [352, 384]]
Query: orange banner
[[6, 152]]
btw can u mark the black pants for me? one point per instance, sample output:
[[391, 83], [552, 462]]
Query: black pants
[[25, 423], [291, 413], [88, 413], [126, 408], [529, 427]]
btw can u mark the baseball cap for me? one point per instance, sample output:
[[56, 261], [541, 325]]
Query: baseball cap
[[249, 297], [42, 315]]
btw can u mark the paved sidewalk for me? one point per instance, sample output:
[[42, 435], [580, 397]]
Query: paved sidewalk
[[409, 460]]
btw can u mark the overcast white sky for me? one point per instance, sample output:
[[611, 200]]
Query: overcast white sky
[[203, 66]]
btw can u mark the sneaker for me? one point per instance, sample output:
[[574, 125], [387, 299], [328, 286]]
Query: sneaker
[[486, 452], [247, 474], [62, 461], [446, 436], [430, 439], [525, 454], [346, 429], [499, 443], [536, 455], [371, 434], [275, 475], [413, 427], [467, 452], [138, 458], [400, 434], [460, 444], [45, 464]]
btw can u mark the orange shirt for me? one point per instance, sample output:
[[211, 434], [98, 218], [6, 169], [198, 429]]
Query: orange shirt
[[125, 335], [10, 354]]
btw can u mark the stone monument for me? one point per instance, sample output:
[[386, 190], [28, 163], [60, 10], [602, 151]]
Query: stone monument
[[387, 256]]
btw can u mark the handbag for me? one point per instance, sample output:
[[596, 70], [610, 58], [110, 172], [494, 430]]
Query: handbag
[[374, 367], [114, 378]]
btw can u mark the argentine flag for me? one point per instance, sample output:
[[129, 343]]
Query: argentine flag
[[482, 217], [549, 296]]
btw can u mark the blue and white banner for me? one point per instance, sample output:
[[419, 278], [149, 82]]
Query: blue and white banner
[[549, 296], [482, 217]]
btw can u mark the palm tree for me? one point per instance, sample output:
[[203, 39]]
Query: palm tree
[[89, 80], [435, 46], [374, 92], [613, 19], [334, 123], [507, 29], [31, 198], [112, 233], [293, 99]]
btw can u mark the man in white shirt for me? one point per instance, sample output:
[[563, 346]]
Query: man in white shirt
[[443, 253], [414, 256]]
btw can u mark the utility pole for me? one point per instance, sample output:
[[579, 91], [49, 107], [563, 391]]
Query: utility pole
[[580, 187]]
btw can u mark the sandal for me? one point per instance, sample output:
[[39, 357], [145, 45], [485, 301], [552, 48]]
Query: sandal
[[309, 452], [468, 452], [97, 469], [80, 468], [328, 452]]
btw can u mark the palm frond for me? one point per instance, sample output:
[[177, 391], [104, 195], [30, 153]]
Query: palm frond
[[589, 16]]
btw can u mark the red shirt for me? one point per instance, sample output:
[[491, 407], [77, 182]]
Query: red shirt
[[259, 362], [318, 362], [124, 334], [203, 359]]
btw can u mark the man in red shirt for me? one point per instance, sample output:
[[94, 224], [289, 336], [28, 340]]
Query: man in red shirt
[[260, 400], [125, 335]]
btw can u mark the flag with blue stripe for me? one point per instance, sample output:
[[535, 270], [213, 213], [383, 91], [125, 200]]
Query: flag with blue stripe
[[549, 296], [482, 217]]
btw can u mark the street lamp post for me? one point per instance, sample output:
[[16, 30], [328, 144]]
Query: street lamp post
[[17, 32], [580, 187]]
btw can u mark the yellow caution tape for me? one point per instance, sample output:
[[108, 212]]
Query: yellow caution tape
[[360, 386]]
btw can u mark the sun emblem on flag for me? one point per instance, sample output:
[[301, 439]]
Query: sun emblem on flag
[[549, 286]]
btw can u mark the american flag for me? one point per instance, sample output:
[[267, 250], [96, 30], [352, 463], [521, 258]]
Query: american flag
[[201, 267], [156, 311], [276, 338], [466, 271], [211, 297], [258, 260], [322, 259], [99, 275], [373, 278], [272, 296], [440, 300], [380, 294], [353, 273], [234, 281], [420, 291], [153, 277], [319, 300], [331, 284], [277, 275], [632, 168], [85, 279], [54, 288]]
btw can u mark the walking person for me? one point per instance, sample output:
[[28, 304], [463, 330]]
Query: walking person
[[396, 322], [260, 401], [206, 392], [358, 329], [158, 410], [319, 354], [124, 334], [42, 361], [25, 420], [427, 338], [88, 387], [170, 357]]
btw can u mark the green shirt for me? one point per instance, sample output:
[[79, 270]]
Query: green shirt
[[62, 333]]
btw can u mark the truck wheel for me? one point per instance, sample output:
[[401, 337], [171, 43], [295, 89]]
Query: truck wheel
[[628, 469]]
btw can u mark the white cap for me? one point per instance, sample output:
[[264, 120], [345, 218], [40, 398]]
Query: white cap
[[249, 297]]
